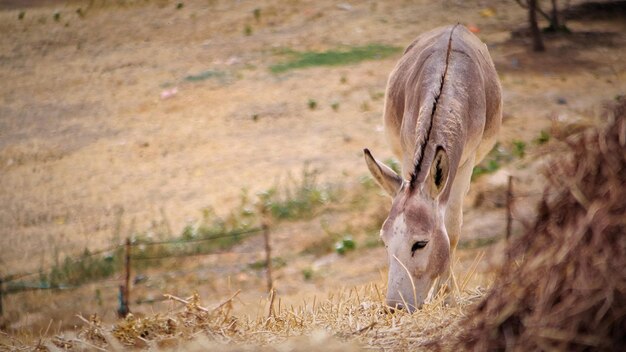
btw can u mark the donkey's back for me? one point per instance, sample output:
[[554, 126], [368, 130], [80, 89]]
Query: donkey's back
[[467, 108]]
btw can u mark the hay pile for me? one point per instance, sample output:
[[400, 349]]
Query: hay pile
[[347, 320], [564, 287]]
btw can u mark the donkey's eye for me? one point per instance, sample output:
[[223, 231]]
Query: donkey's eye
[[418, 245]]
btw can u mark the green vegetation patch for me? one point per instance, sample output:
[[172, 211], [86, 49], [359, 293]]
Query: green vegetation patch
[[299, 201], [337, 57], [211, 234], [205, 75], [497, 157]]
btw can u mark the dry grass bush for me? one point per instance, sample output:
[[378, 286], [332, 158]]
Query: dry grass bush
[[564, 287]]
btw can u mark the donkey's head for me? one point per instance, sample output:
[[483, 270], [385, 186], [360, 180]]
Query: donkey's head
[[414, 233]]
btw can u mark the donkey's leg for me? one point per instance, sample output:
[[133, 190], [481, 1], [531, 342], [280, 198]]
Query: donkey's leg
[[454, 218]]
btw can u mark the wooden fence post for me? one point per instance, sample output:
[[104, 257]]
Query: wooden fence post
[[509, 206], [268, 256], [124, 309]]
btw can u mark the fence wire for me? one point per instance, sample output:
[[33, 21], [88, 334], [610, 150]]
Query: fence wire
[[190, 255], [244, 233], [88, 254], [202, 239]]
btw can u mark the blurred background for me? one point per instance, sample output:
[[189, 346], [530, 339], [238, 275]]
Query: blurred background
[[177, 121]]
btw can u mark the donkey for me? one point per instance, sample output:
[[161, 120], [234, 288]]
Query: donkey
[[442, 113]]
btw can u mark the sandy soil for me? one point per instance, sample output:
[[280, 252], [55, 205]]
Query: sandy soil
[[85, 134]]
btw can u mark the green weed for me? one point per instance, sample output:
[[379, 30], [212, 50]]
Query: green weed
[[519, 148], [543, 138], [492, 162], [86, 268], [299, 201], [377, 95], [205, 75], [300, 60], [212, 233], [75, 271], [247, 30], [344, 245], [499, 156], [307, 274], [277, 263]]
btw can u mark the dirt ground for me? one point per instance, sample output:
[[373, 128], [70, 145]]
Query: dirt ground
[[85, 133]]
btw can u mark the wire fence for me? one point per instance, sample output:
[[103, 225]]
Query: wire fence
[[88, 254], [127, 248]]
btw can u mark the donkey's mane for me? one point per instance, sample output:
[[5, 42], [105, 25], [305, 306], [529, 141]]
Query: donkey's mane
[[421, 150]]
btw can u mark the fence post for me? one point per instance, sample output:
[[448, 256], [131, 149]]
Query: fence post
[[124, 294], [509, 205], [268, 256]]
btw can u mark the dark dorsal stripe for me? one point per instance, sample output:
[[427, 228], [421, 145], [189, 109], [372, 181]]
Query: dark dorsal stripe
[[422, 148]]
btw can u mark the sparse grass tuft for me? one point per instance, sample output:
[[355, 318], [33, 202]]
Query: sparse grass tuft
[[493, 161], [86, 268], [247, 30], [277, 263], [204, 75], [300, 60], [299, 201], [344, 245], [377, 95], [212, 233], [543, 138], [519, 148], [307, 273]]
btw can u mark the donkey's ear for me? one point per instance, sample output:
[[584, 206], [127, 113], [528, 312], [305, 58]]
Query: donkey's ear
[[439, 171], [384, 176]]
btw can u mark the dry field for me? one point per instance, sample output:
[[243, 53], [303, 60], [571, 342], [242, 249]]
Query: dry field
[[92, 148]]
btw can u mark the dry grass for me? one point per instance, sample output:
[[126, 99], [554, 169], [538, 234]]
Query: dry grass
[[88, 136], [564, 287], [346, 320]]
